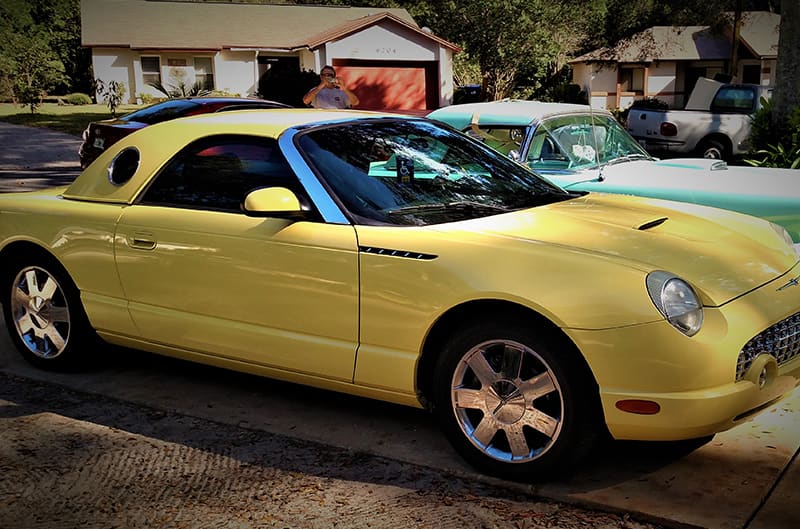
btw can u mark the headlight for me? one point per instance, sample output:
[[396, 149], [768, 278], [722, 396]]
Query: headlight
[[676, 300]]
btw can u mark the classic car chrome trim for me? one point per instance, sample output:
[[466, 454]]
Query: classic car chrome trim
[[110, 169], [793, 282], [781, 340], [327, 207]]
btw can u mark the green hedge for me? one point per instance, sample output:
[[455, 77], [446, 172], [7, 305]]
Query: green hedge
[[78, 99]]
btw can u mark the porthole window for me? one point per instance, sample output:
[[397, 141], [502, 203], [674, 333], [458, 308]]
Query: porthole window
[[123, 166]]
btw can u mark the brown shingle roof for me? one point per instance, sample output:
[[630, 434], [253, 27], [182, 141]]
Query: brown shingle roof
[[759, 32], [179, 25]]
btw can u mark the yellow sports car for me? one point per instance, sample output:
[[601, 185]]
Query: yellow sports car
[[394, 258]]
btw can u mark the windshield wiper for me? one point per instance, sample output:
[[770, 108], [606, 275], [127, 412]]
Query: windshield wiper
[[461, 205], [628, 158]]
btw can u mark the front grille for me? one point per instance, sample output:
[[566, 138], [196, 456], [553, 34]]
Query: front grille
[[782, 341]]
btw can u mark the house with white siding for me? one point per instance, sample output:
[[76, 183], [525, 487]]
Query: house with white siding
[[382, 54], [665, 61]]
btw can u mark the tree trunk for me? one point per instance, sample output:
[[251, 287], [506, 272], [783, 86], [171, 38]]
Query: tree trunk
[[786, 95]]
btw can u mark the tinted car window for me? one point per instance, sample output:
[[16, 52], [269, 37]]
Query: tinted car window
[[217, 173], [161, 112], [416, 172]]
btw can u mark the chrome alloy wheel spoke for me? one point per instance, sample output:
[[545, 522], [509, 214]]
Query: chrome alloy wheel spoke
[[42, 320], [503, 386]]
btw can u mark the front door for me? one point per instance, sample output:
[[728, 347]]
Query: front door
[[202, 276]]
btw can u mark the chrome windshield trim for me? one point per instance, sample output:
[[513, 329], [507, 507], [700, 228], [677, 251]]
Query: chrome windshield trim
[[328, 208]]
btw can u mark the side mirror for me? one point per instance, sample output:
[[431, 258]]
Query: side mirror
[[276, 202], [514, 155]]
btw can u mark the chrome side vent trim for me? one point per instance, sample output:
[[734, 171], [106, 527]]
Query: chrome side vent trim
[[652, 224], [397, 253]]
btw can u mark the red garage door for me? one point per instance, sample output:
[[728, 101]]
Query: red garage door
[[390, 86]]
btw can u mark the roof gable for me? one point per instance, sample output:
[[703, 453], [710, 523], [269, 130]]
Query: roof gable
[[350, 27]]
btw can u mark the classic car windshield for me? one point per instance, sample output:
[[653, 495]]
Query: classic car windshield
[[580, 141], [416, 172]]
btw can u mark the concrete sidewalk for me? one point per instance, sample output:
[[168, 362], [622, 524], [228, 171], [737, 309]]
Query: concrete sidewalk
[[746, 478]]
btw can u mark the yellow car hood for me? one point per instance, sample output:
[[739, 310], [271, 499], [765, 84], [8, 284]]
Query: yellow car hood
[[722, 254]]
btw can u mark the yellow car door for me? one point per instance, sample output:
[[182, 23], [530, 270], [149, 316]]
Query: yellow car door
[[202, 276]]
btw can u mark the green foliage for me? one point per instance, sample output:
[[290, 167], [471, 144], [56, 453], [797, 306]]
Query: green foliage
[[287, 85], [224, 93], [55, 27], [78, 99], [145, 98], [774, 145], [776, 155], [651, 103], [112, 93], [181, 89], [34, 69]]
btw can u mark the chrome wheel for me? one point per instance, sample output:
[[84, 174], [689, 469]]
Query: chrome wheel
[[507, 401], [40, 312]]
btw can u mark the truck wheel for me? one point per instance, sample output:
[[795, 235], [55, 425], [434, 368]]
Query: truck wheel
[[713, 149]]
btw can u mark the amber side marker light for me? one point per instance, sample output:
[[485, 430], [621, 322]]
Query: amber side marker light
[[640, 407]]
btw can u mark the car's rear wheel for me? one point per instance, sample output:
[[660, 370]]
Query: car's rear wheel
[[44, 315], [514, 403], [713, 149]]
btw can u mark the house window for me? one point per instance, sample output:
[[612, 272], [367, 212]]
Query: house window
[[751, 73], [151, 70], [203, 74], [631, 80]]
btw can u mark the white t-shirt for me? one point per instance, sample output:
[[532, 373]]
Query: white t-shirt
[[331, 98]]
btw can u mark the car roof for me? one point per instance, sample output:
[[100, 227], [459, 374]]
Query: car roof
[[159, 142], [512, 112]]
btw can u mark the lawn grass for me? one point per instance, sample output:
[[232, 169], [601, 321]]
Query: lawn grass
[[71, 119]]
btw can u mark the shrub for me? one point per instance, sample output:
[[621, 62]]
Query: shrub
[[772, 146], [224, 93], [78, 99], [112, 93], [145, 98]]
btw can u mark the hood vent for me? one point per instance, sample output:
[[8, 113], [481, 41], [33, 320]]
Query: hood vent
[[652, 224]]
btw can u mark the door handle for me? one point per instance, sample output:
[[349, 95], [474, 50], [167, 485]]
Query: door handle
[[142, 241]]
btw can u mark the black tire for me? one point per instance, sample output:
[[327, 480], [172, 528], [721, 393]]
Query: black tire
[[509, 377], [44, 315], [713, 149]]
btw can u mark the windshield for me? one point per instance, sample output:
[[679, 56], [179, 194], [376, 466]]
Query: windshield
[[416, 172], [573, 142]]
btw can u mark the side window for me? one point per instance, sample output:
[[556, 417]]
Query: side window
[[216, 173], [502, 139], [545, 152], [734, 100]]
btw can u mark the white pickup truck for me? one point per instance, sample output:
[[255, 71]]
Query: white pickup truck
[[715, 123]]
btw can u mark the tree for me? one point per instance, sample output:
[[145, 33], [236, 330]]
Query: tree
[[52, 28], [33, 69], [786, 97]]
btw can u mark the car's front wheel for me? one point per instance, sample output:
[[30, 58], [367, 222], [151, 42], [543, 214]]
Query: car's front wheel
[[44, 315], [515, 403]]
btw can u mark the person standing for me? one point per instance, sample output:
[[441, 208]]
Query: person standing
[[330, 93]]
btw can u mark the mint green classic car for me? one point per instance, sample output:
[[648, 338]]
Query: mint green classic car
[[583, 149]]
